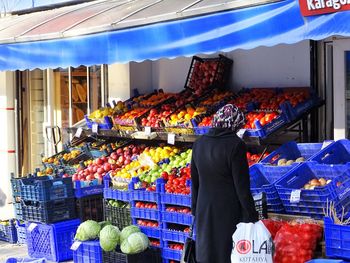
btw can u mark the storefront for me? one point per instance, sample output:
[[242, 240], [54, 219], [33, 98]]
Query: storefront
[[147, 45]]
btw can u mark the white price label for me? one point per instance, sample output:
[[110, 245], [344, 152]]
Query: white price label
[[148, 130], [95, 128], [31, 227], [75, 245], [171, 138], [326, 143], [241, 133], [295, 196], [79, 132]]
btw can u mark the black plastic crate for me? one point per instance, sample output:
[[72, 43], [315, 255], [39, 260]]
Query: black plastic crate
[[90, 207], [48, 212], [118, 216], [200, 68], [151, 255]]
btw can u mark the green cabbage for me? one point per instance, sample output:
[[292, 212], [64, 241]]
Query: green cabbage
[[127, 231], [88, 230], [109, 238], [135, 243], [104, 223]]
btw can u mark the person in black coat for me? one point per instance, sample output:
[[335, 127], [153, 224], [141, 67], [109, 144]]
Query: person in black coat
[[221, 196]]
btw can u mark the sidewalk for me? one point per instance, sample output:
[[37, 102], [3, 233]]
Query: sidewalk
[[13, 250]]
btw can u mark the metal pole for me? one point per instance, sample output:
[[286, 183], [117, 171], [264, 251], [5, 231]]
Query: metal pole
[[33, 3]]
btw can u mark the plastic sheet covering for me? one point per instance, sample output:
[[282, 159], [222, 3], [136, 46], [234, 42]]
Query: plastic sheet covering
[[247, 28]]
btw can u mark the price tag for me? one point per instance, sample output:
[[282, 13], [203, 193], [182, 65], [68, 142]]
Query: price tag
[[148, 130], [95, 128], [75, 245], [241, 133], [171, 138], [295, 196], [79, 132], [31, 227]]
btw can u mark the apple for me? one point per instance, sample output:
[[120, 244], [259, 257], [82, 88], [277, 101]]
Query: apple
[[111, 161], [100, 170], [99, 161], [107, 167], [114, 156], [90, 177], [119, 151], [75, 177]]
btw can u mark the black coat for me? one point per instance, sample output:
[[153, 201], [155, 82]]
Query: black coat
[[221, 196]]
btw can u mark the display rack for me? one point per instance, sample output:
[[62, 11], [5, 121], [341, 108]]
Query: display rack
[[297, 130]]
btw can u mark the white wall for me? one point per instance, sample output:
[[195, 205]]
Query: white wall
[[282, 65], [7, 144]]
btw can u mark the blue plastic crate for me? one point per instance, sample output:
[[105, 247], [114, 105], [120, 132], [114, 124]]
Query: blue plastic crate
[[177, 218], [151, 214], [267, 129], [18, 210], [110, 193], [151, 232], [312, 202], [262, 179], [45, 188], [81, 189], [173, 199], [201, 130], [52, 241], [143, 195], [337, 238], [335, 153], [175, 236], [8, 232], [302, 107], [87, 252], [48, 212], [171, 254], [26, 260], [107, 125], [291, 151], [21, 232]]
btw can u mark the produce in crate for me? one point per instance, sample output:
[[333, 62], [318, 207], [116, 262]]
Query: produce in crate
[[184, 115], [146, 205], [254, 158], [119, 204], [127, 231], [155, 99], [98, 115], [147, 223], [176, 209], [283, 161], [135, 243], [206, 122], [263, 117], [176, 182], [109, 238], [155, 116], [115, 161], [317, 183], [176, 246], [88, 230]]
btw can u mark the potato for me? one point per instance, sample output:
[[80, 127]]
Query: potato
[[307, 186], [281, 162], [314, 182], [300, 160], [328, 181], [322, 181], [289, 162]]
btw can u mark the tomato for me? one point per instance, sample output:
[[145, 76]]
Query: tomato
[[138, 204]]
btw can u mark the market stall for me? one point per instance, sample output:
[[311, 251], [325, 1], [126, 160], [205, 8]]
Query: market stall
[[131, 159]]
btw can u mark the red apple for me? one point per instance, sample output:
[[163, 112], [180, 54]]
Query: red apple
[[100, 170], [114, 156], [119, 151], [107, 167], [99, 161]]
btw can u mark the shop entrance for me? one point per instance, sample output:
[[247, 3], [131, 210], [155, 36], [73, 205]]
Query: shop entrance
[[341, 73]]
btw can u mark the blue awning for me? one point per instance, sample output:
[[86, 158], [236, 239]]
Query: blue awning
[[247, 28]]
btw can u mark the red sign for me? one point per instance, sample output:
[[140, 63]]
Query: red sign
[[318, 7], [243, 246]]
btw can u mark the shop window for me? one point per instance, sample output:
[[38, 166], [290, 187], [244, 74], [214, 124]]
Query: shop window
[[79, 91]]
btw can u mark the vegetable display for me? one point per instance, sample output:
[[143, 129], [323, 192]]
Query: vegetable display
[[135, 243], [109, 238], [88, 230]]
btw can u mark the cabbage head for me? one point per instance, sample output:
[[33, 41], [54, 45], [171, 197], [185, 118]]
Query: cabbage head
[[135, 243], [127, 231], [109, 238], [88, 230], [104, 223]]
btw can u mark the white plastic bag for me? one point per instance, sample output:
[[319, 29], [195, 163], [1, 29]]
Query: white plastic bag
[[252, 242]]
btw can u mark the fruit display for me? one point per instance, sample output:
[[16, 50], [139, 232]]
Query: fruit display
[[154, 242], [155, 99], [172, 167], [128, 118], [263, 118], [146, 205], [183, 116], [254, 158], [176, 181], [206, 122], [65, 156], [98, 115], [155, 117], [176, 246], [283, 161], [317, 183], [100, 166], [147, 223], [216, 97], [177, 209]]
